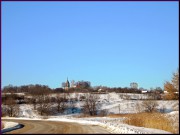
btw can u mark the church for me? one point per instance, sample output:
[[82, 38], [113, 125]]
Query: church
[[67, 85]]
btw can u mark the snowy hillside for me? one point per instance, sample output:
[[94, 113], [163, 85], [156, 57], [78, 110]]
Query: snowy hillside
[[113, 103]]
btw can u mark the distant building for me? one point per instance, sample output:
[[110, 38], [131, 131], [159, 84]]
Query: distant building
[[73, 84], [144, 91], [134, 85], [67, 85]]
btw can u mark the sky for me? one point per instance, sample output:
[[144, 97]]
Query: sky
[[107, 43]]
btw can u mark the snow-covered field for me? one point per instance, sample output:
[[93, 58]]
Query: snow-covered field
[[113, 103]]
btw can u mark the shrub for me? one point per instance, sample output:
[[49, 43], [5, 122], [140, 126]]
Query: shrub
[[149, 105]]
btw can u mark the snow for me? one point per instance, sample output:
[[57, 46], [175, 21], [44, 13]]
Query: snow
[[114, 103], [26, 111], [174, 116], [174, 113], [9, 124]]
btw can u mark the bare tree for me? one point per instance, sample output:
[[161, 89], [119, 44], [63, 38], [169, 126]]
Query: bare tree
[[91, 104], [36, 91], [149, 105], [72, 104], [43, 100], [12, 108], [61, 102], [33, 101], [44, 105]]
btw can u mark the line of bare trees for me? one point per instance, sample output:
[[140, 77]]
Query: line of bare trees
[[45, 104]]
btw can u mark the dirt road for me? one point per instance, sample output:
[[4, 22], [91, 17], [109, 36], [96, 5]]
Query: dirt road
[[55, 127]]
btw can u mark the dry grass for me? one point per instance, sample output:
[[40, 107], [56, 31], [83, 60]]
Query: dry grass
[[149, 120], [119, 115]]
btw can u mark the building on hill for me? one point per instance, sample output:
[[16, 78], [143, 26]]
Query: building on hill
[[67, 85], [73, 84]]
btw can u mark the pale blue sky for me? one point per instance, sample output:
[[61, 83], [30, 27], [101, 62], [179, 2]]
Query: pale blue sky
[[107, 43]]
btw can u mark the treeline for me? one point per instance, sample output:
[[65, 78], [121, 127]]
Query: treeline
[[37, 87], [26, 88], [124, 90]]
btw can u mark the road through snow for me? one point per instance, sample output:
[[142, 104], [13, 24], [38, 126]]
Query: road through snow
[[55, 127]]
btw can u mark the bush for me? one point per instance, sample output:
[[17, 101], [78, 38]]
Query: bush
[[149, 105]]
